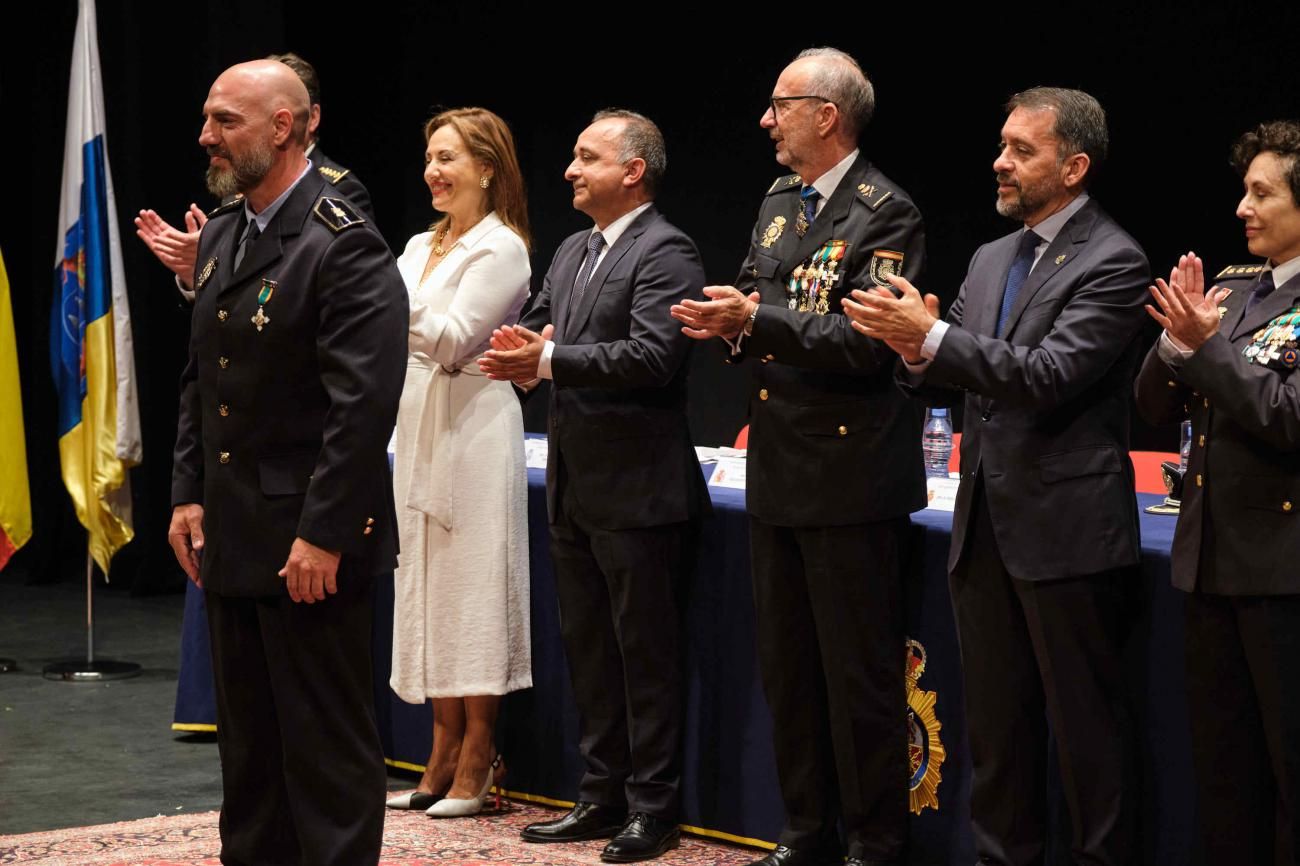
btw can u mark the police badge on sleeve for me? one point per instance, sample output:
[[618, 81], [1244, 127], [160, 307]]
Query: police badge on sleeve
[[885, 264]]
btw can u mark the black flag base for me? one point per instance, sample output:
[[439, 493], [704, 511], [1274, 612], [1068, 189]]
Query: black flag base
[[83, 671], [7, 665]]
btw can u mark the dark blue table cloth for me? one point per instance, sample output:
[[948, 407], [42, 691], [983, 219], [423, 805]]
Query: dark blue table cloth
[[729, 778]]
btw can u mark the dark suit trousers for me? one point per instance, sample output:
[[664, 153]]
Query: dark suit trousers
[[1029, 646], [302, 767], [829, 605], [619, 593], [1243, 690]]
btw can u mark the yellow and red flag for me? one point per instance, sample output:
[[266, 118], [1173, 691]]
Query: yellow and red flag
[[15, 496]]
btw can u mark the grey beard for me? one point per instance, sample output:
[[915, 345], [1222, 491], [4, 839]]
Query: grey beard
[[1015, 210], [245, 172]]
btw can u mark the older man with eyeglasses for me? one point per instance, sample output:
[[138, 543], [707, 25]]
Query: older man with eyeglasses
[[835, 467]]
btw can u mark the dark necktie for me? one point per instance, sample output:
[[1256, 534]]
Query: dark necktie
[[1263, 289], [809, 196], [250, 237], [594, 245], [1016, 276]]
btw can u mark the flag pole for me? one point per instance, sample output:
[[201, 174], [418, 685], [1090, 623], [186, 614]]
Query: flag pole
[[91, 670]]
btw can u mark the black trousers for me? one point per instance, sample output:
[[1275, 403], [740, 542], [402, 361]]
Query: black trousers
[[619, 593], [1243, 691], [829, 604], [1034, 651], [302, 767]]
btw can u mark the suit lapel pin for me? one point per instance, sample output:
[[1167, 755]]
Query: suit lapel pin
[[261, 320], [1060, 259]]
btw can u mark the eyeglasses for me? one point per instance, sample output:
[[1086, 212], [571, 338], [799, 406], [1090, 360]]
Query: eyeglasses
[[776, 101]]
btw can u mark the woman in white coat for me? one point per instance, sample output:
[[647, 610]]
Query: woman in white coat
[[460, 632]]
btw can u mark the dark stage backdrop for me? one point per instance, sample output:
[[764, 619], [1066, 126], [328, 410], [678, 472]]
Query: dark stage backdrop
[[1178, 86]]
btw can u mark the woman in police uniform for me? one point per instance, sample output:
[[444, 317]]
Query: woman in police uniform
[[1228, 359]]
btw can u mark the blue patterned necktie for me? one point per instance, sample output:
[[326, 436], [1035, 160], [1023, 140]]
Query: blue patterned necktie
[[809, 196], [1263, 289], [594, 245], [1016, 277]]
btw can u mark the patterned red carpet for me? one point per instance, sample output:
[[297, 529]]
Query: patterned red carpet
[[410, 839]]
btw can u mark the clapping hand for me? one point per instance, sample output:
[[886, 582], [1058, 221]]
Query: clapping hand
[[723, 315], [515, 353], [176, 249], [901, 322], [1187, 314]]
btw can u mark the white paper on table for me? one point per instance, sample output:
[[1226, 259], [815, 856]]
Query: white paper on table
[[535, 451], [941, 493], [706, 454], [729, 472]]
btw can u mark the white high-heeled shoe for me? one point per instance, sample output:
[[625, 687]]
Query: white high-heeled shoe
[[414, 800], [453, 807]]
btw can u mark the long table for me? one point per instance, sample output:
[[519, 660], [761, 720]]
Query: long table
[[729, 781]]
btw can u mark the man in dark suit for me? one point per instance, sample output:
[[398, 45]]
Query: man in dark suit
[[1042, 344], [834, 468], [178, 249], [624, 488], [283, 510], [1228, 359]]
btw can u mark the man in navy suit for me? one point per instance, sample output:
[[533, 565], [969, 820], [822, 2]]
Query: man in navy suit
[[624, 488], [1041, 344]]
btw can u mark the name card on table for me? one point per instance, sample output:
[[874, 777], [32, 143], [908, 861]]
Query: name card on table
[[941, 493], [729, 472], [535, 451]]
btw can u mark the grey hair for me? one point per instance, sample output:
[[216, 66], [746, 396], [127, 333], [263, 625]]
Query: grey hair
[[843, 82], [1080, 122], [642, 139]]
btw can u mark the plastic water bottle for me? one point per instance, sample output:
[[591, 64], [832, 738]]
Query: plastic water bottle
[[936, 443]]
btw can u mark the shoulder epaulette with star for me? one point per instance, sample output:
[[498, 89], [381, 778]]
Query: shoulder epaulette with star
[[336, 213], [226, 207], [331, 174], [781, 184], [873, 195], [1239, 271]]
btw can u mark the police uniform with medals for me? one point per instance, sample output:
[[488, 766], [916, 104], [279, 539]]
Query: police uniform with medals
[[1235, 552], [287, 404], [835, 469]]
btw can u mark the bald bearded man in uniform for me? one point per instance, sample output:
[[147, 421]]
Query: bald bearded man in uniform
[[282, 500]]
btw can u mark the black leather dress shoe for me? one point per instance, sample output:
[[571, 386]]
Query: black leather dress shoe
[[584, 821], [783, 856], [643, 837]]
